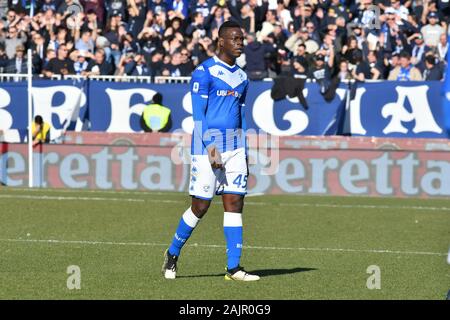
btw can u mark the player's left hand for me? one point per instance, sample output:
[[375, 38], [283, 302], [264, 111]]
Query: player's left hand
[[215, 158]]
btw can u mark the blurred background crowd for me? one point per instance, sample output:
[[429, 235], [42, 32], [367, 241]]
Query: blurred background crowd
[[348, 39]]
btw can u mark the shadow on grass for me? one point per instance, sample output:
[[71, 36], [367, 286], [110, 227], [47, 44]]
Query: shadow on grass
[[262, 273]]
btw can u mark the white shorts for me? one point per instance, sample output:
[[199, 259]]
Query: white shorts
[[205, 181]]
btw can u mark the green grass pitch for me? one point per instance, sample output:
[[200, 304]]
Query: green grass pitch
[[304, 247]]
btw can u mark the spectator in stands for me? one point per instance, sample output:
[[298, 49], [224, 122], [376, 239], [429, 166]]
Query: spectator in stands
[[49, 55], [180, 8], [432, 71], [363, 71], [432, 31], [40, 131], [80, 65], [299, 62], [3, 8], [321, 71], [18, 64], [197, 25], [255, 54], [66, 7], [216, 19], [49, 5], [115, 7], [157, 6], [137, 66], [38, 46], [375, 61], [86, 42], [344, 72], [137, 15], [187, 65], [201, 6], [179, 67], [267, 26], [419, 50], [349, 49], [155, 63], [442, 47], [13, 38], [95, 10], [244, 16], [12, 18], [399, 9], [405, 71], [98, 65], [61, 64], [3, 58]]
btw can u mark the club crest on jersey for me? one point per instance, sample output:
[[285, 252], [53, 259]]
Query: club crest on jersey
[[226, 93]]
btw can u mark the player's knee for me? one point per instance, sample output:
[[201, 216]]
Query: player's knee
[[199, 208], [234, 204]]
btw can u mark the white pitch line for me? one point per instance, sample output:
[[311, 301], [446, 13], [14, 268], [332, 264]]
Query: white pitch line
[[314, 205], [362, 206], [149, 244], [137, 192], [68, 198]]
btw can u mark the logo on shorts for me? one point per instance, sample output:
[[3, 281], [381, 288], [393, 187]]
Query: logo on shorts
[[206, 188]]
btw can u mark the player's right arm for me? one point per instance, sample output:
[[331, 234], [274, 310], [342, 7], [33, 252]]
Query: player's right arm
[[200, 83]]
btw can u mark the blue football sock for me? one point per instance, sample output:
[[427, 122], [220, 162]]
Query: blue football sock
[[232, 227], [187, 224]]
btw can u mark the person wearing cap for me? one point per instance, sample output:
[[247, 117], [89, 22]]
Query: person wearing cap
[[320, 71], [432, 31], [405, 71], [418, 51], [81, 64], [156, 117]]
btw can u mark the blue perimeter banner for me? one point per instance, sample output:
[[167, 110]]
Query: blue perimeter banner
[[383, 109]]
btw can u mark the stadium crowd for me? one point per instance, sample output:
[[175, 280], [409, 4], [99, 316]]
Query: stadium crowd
[[348, 39]]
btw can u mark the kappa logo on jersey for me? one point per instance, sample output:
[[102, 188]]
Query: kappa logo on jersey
[[226, 93], [220, 73]]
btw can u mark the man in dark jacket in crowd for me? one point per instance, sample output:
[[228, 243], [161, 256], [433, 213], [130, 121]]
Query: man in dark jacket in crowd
[[255, 57]]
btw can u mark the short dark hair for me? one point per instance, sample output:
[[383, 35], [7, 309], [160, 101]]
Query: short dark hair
[[157, 98], [405, 54], [430, 59], [38, 119], [228, 25]]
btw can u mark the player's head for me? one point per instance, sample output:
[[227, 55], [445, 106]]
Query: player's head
[[231, 39]]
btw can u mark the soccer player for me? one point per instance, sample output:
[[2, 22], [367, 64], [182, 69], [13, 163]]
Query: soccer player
[[218, 151]]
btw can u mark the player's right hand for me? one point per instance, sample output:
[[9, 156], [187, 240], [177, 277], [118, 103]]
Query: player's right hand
[[215, 158]]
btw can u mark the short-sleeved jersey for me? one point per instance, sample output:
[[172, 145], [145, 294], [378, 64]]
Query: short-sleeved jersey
[[218, 93]]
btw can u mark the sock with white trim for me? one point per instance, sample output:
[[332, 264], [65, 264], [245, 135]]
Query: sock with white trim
[[232, 227], [187, 224]]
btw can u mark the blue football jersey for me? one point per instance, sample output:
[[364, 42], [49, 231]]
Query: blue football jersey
[[218, 93]]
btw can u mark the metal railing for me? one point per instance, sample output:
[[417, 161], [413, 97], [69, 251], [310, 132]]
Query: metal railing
[[11, 77], [16, 77]]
